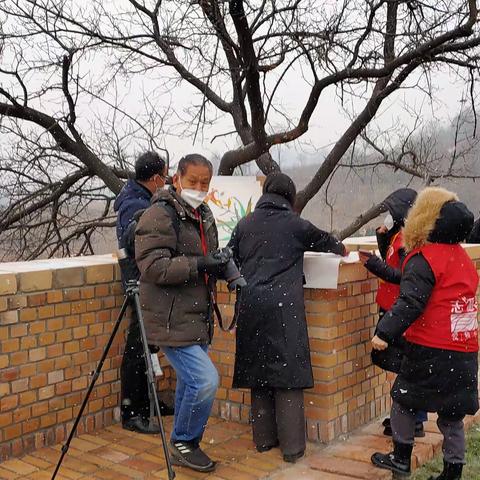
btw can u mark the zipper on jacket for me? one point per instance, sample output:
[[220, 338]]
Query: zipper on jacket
[[170, 314]]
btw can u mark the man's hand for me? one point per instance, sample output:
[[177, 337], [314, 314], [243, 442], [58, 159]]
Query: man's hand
[[378, 343]]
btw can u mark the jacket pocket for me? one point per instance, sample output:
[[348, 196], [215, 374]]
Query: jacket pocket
[[170, 311]]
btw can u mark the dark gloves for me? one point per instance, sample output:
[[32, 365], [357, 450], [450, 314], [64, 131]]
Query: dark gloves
[[213, 264]]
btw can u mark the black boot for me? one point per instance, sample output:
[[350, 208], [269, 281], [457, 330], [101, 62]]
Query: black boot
[[451, 471], [397, 461]]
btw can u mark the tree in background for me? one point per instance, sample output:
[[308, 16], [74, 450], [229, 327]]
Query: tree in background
[[69, 71]]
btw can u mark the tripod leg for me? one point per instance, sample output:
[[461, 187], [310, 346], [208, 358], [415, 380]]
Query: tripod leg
[[152, 385], [66, 446]]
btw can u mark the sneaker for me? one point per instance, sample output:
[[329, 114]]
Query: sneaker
[[187, 454]]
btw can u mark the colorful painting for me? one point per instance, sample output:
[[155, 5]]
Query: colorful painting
[[231, 199]]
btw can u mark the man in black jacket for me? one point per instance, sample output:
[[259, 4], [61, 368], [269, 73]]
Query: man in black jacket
[[150, 174]]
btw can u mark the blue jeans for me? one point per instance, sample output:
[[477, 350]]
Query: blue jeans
[[197, 383]]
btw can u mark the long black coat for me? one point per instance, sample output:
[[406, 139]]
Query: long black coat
[[272, 338]]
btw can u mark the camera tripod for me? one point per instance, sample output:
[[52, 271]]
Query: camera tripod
[[131, 295]]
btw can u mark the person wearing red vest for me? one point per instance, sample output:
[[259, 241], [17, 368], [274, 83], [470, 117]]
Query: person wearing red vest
[[388, 269], [436, 311]]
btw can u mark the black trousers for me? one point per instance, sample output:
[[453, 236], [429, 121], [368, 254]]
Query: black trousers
[[133, 377], [278, 416]]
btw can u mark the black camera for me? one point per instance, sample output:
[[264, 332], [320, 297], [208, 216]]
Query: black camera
[[230, 272], [128, 267]]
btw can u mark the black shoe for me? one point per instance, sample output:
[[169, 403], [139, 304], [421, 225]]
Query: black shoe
[[293, 458], [266, 448], [186, 454], [398, 461], [140, 425], [451, 471], [419, 431]]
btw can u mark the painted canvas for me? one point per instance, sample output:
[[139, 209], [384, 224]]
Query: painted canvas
[[232, 198]]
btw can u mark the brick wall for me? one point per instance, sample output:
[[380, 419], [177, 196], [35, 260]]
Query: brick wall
[[348, 390], [56, 317]]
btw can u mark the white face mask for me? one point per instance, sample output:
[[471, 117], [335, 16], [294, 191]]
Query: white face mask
[[388, 222], [193, 197]]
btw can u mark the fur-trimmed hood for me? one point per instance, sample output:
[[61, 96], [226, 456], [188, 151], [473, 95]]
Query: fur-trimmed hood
[[436, 217]]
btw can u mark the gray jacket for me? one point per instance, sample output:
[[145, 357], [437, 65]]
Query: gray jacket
[[175, 299]]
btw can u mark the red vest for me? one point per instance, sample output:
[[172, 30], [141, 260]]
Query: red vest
[[387, 292], [449, 320]]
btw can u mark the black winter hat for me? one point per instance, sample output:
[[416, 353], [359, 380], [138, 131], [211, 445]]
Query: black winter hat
[[453, 225], [399, 203], [280, 184]]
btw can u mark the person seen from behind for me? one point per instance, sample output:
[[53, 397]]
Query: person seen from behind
[[272, 349]]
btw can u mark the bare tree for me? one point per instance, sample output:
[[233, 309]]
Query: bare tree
[[425, 154], [240, 57]]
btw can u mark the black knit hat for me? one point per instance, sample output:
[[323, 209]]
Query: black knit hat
[[280, 184]]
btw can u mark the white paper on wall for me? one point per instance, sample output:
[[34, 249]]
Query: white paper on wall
[[321, 270]]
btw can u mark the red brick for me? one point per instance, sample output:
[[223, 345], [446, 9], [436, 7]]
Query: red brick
[[37, 354], [346, 467], [26, 398], [47, 311], [37, 299], [28, 314], [54, 296], [28, 343], [36, 327], [54, 324], [19, 330], [11, 345]]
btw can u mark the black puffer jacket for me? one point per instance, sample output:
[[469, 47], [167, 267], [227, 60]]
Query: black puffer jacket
[[430, 379], [398, 204], [272, 337]]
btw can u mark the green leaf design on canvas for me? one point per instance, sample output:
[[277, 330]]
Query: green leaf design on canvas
[[249, 207]]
